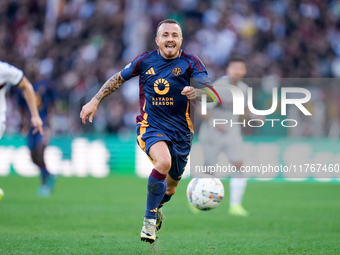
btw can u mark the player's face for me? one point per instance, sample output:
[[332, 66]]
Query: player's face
[[236, 70], [169, 40]]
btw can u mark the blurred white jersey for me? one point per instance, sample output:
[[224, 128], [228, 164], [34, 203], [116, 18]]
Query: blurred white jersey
[[227, 137], [8, 75], [225, 111]]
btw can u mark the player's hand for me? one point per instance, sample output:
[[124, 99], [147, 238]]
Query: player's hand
[[189, 92], [88, 110], [37, 124]]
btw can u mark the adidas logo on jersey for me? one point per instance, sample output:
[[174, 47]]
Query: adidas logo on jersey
[[150, 71]]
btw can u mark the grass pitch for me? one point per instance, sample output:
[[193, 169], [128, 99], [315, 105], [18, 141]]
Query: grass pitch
[[104, 216]]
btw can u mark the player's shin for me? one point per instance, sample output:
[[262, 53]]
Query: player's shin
[[237, 189], [156, 190], [44, 174]]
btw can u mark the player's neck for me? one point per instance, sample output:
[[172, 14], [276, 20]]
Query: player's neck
[[234, 81]]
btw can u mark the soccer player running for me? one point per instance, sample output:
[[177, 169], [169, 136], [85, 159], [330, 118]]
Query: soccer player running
[[224, 138], [164, 127], [37, 142], [10, 75]]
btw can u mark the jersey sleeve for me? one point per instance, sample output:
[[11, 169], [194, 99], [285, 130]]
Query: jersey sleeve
[[132, 69], [11, 74], [200, 78]]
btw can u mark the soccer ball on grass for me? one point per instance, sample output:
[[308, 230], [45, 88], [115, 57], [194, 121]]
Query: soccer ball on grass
[[205, 193]]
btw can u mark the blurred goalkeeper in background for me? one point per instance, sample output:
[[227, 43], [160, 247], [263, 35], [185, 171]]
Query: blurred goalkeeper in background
[[164, 127]]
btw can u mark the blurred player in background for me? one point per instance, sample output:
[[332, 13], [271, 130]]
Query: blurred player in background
[[164, 127], [37, 142], [224, 138], [10, 75]]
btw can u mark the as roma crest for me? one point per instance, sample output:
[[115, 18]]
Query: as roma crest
[[177, 71]]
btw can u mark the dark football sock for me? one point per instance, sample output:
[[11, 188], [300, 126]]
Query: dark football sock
[[165, 199], [156, 191], [44, 174]]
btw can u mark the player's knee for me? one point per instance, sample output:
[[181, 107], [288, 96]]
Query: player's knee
[[35, 160], [163, 165], [38, 161]]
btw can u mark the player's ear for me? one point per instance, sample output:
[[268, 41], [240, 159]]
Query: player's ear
[[156, 40]]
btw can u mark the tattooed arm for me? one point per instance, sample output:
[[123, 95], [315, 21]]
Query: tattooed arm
[[111, 85]]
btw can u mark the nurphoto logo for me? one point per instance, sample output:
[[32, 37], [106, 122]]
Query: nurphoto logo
[[238, 106]]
